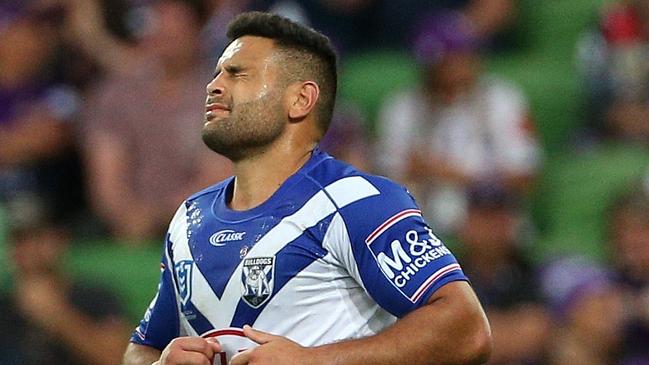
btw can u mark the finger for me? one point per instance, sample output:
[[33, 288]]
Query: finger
[[258, 336], [214, 343], [212, 339], [196, 344], [187, 358], [241, 358]]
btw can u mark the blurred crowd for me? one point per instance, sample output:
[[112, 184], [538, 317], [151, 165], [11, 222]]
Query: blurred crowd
[[101, 103]]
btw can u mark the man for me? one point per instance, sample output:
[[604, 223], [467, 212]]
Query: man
[[591, 311], [628, 223], [504, 279], [131, 157], [356, 275], [458, 127], [48, 317]]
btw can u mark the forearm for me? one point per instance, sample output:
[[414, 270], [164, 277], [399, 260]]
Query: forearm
[[33, 139], [450, 330], [140, 355], [89, 30], [107, 171], [113, 198]]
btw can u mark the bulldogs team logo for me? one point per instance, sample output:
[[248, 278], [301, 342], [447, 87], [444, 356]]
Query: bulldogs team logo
[[257, 276], [184, 279]]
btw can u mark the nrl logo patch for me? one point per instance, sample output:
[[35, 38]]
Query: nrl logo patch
[[257, 279], [184, 279]]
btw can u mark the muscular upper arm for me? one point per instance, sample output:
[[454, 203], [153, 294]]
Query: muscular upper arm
[[387, 246], [460, 317], [450, 328], [455, 291], [140, 355]]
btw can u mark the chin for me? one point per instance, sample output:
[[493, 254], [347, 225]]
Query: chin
[[222, 146]]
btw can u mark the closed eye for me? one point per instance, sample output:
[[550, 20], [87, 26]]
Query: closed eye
[[230, 70], [233, 70]]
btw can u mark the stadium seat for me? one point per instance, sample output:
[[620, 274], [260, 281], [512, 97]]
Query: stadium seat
[[575, 193], [545, 68], [367, 78], [133, 272]]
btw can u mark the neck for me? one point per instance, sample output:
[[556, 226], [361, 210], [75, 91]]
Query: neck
[[258, 178]]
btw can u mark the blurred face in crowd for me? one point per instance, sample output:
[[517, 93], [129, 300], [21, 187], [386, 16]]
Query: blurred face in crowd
[[455, 74], [245, 110], [600, 316], [172, 31], [631, 242], [24, 48], [38, 251], [489, 229]]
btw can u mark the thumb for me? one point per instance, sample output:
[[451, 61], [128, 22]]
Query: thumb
[[258, 336], [241, 358]]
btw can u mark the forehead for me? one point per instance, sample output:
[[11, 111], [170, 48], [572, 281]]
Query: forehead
[[248, 49]]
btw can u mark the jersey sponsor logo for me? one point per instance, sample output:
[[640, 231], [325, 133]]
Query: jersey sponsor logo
[[220, 238], [401, 264], [257, 278], [402, 259], [184, 270]]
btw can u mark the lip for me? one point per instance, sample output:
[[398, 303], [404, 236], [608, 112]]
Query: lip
[[216, 107], [215, 111]]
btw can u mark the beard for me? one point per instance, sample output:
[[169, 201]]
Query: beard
[[248, 129]]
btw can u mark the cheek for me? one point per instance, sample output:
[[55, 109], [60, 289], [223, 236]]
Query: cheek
[[262, 96], [263, 91]]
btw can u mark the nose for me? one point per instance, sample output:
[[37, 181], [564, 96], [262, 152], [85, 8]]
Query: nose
[[215, 87]]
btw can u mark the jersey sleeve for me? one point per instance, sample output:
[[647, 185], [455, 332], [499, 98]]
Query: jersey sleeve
[[160, 324], [394, 253]]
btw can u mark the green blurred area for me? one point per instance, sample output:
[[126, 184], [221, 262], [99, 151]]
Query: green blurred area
[[574, 189], [543, 65], [132, 272], [575, 193]]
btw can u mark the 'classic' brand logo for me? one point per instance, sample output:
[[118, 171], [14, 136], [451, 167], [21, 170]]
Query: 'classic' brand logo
[[219, 238]]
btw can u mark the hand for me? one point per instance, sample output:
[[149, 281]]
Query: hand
[[41, 299], [190, 351], [272, 349]]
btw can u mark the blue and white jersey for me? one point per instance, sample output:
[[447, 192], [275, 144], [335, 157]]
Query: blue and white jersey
[[334, 254]]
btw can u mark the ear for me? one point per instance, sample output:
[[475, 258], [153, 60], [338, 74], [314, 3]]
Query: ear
[[305, 96]]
